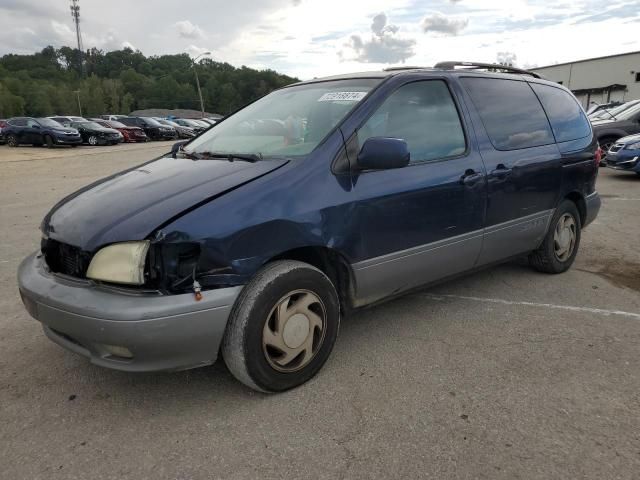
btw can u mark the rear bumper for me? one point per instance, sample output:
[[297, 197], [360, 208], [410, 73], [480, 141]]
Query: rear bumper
[[162, 332], [593, 204]]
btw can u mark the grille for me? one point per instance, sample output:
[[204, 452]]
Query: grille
[[616, 148], [65, 259]]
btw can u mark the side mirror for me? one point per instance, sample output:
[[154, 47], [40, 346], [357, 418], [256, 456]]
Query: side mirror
[[176, 147], [383, 153]]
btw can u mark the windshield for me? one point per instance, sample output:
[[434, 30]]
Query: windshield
[[115, 124], [629, 113], [93, 125], [288, 122], [47, 122], [614, 111]]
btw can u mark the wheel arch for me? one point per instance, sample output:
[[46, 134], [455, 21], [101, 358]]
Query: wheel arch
[[578, 198], [332, 263]]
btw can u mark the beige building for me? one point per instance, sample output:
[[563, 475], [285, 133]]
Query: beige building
[[600, 80]]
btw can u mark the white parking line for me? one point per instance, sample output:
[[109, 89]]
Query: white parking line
[[571, 308]]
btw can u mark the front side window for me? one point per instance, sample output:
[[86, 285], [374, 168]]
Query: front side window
[[510, 112], [32, 123], [425, 116], [289, 122], [568, 121], [47, 122]]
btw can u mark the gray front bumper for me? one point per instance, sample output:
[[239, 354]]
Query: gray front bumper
[[163, 332]]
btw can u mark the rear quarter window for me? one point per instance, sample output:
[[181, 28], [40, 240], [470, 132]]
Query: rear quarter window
[[510, 112], [567, 118]]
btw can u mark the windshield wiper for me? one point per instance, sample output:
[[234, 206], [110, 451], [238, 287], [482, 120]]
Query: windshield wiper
[[245, 157]]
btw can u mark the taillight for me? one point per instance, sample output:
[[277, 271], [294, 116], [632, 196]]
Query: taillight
[[598, 156]]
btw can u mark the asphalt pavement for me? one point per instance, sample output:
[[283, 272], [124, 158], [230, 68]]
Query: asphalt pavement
[[503, 374]]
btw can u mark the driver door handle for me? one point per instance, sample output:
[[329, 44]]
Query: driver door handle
[[470, 177]]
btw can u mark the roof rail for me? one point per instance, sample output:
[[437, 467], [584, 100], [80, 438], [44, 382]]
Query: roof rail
[[484, 66], [408, 67]]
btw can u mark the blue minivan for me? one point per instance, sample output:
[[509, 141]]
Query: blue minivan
[[254, 239]]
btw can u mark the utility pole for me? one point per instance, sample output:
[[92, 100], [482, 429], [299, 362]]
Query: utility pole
[[77, 92], [195, 70], [75, 14]]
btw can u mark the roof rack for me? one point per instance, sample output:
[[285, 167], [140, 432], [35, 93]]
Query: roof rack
[[484, 66]]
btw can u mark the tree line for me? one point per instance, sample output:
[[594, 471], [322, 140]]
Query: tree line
[[120, 81]]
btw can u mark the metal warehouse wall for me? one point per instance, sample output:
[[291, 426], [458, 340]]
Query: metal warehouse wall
[[590, 77]]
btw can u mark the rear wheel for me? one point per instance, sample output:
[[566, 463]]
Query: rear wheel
[[282, 327], [12, 140], [560, 245]]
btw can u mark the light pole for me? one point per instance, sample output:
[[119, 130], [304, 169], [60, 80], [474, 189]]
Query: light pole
[[195, 70], [77, 92]]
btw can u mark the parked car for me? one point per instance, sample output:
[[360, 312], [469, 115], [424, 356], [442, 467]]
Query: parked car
[[596, 107], [183, 132], [3, 123], [113, 117], [66, 121], [609, 131], [625, 154], [186, 122], [39, 131], [95, 134], [129, 134], [605, 114], [154, 129], [256, 245]]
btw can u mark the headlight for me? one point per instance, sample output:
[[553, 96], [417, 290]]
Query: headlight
[[633, 146], [120, 263]]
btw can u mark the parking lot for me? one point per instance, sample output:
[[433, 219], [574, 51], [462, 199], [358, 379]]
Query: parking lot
[[506, 373]]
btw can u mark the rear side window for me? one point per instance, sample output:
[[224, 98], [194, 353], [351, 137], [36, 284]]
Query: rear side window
[[18, 122], [568, 121], [510, 111], [425, 116]]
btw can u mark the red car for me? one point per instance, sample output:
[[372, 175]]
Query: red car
[[3, 123], [130, 134]]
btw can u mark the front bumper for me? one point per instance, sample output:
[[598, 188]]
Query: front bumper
[[162, 332], [593, 204], [624, 160], [68, 139]]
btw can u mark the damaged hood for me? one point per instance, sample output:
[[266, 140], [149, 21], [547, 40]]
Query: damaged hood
[[132, 204]]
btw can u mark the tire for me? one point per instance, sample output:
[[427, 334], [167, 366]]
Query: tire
[[48, 141], [605, 144], [12, 141], [92, 140], [263, 316], [551, 256]]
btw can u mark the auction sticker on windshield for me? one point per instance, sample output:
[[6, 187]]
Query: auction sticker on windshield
[[342, 96]]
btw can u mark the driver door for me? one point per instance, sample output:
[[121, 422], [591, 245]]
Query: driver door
[[33, 132]]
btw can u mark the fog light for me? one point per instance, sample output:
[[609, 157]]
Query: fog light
[[118, 351]]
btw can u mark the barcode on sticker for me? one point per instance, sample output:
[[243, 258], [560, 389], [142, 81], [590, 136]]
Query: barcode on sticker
[[342, 97]]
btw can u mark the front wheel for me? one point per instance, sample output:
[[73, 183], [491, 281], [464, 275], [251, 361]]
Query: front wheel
[[282, 327], [48, 141], [560, 245], [93, 140]]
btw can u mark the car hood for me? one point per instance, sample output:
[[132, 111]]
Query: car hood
[[630, 139], [65, 130], [131, 205]]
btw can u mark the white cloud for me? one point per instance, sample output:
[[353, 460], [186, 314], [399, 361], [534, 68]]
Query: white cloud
[[441, 24], [186, 29], [383, 46]]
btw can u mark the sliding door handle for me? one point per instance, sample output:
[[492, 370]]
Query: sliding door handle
[[470, 177], [501, 171]]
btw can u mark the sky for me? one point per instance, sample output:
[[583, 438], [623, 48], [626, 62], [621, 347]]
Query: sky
[[313, 38]]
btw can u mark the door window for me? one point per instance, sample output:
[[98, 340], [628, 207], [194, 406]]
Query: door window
[[510, 112], [32, 123], [425, 116]]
